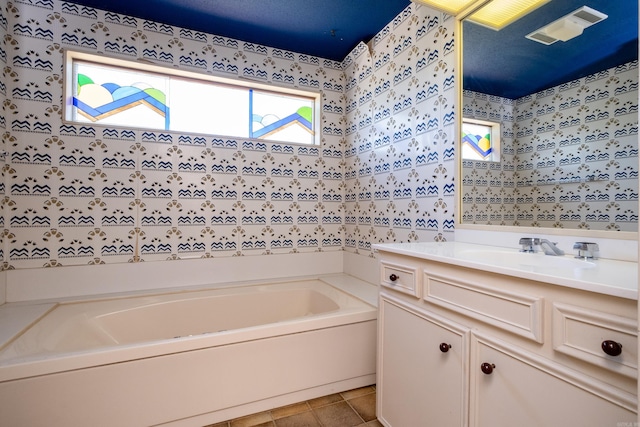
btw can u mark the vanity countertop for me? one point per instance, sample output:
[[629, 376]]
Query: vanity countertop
[[605, 276]]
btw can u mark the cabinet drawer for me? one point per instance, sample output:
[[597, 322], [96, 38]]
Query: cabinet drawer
[[579, 333], [515, 312], [400, 277]]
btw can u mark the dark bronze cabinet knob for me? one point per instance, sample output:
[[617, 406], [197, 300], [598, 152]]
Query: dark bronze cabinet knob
[[487, 368], [612, 348], [444, 347], [393, 277]]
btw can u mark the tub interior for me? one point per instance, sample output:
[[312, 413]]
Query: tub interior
[[83, 326], [193, 315]]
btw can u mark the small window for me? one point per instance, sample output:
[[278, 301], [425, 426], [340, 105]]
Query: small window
[[114, 92], [480, 140]]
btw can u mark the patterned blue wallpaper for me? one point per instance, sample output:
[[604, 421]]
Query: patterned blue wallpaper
[[569, 156], [80, 194], [400, 127]]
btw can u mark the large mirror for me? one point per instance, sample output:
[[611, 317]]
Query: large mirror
[[568, 118]]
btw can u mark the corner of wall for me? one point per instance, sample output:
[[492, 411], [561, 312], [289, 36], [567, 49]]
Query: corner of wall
[[361, 266], [3, 287]]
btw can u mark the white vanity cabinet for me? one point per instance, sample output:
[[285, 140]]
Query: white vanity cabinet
[[510, 386], [422, 368], [460, 346]]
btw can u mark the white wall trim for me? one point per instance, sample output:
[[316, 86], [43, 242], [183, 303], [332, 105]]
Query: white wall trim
[[3, 287], [79, 281]]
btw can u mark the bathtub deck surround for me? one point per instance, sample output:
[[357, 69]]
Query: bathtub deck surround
[[94, 325], [326, 347]]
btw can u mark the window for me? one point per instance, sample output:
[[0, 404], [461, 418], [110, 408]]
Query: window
[[480, 140], [114, 92]]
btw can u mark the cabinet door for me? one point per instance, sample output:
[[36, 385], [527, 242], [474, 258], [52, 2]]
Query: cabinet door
[[420, 383], [520, 388]]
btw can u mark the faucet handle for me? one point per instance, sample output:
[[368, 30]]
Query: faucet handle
[[528, 244], [586, 250]]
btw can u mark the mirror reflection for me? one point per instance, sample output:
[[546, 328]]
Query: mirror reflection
[[568, 117]]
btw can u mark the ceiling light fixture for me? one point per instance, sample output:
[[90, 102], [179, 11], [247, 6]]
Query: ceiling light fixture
[[497, 14], [567, 27], [452, 7]]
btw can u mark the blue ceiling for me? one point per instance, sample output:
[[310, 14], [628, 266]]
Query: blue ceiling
[[324, 28], [332, 28], [505, 63]]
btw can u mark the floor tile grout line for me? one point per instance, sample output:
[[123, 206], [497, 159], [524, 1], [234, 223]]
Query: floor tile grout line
[[348, 404], [315, 416], [343, 399], [313, 412], [354, 410]]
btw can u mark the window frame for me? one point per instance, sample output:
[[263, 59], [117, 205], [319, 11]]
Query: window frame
[[162, 70]]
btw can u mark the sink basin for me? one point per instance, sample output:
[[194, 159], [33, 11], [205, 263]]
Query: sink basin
[[529, 261]]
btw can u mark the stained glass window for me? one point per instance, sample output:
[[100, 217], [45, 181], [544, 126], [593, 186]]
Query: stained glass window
[[119, 97], [281, 118], [144, 96], [480, 140]]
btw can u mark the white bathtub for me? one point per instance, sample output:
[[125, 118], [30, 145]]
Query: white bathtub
[[186, 358]]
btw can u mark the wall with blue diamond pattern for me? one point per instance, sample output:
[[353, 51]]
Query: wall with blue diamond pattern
[[569, 156], [400, 127], [83, 194]]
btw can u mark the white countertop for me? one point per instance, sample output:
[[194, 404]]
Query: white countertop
[[605, 276]]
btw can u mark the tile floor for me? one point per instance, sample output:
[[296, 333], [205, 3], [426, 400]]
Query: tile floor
[[353, 408]]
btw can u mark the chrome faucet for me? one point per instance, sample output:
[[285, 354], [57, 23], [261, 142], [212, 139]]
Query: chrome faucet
[[549, 248], [586, 250], [528, 244]]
